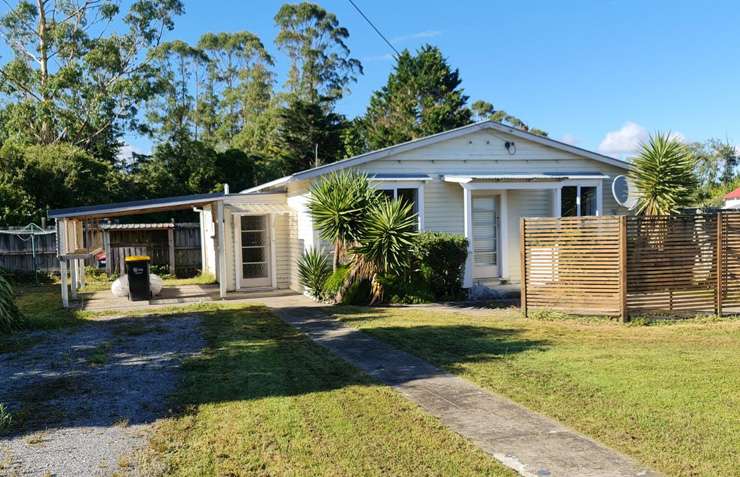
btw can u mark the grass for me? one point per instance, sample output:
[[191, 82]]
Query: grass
[[667, 394], [264, 400]]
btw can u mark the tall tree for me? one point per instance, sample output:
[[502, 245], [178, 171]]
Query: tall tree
[[172, 114], [421, 97], [320, 64], [483, 110], [239, 75], [309, 136], [79, 68]]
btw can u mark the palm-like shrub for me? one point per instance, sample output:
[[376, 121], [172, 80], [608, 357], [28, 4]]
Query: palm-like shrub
[[11, 318], [386, 244], [338, 205], [664, 175], [313, 271]]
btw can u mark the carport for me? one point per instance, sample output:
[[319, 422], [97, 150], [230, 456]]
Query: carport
[[72, 251]]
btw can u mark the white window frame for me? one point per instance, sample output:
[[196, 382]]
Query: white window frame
[[578, 185], [395, 185]]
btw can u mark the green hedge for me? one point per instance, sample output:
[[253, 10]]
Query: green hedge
[[441, 263]]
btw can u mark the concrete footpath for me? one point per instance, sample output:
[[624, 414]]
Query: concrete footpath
[[525, 441]]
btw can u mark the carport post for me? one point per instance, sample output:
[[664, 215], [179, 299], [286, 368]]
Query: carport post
[[221, 248]]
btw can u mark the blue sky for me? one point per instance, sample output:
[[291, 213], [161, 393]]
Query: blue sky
[[580, 70]]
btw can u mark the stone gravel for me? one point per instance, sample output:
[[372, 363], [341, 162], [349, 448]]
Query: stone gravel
[[84, 398]]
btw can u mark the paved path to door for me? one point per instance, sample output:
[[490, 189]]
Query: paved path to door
[[531, 444]]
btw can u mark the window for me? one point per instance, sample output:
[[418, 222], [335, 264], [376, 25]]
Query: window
[[578, 201], [410, 195]]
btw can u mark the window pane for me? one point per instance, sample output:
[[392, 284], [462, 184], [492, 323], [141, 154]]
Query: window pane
[[253, 222], [568, 207], [255, 270], [253, 238], [256, 254], [588, 200], [409, 196], [388, 193]]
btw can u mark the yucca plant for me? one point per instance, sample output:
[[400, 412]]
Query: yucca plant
[[386, 244], [338, 205], [313, 271], [664, 176], [11, 318]]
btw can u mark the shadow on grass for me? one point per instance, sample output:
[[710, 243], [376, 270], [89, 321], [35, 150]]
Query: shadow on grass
[[129, 371]]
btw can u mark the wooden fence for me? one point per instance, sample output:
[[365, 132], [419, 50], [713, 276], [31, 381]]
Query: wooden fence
[[622, 265], [16, 252]]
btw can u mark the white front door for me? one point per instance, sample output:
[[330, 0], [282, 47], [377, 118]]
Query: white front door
[[254, 245], [485, 236]]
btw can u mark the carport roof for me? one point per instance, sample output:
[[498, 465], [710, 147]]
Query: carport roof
[[136, 206]]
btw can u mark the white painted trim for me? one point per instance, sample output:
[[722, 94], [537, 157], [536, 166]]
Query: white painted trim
[[273, 254], [419, 186], [220, 220], [504, 235], [238, 250], [557, 198], [468, 232], [600, 198]]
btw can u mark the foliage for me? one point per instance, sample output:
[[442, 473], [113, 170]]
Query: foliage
[[664, 175], [483, 110], [441, 261], [11, 319], [6, 418], [385, 247], [52, 176], [716, 164], [313, 271], [338, 205], [409, 288], [336, 281], [320, 62], [421, 97], [72, 79], [309, 136]]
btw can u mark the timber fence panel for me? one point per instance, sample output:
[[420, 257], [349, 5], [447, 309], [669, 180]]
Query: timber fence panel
[[572, 264], [680, 264]]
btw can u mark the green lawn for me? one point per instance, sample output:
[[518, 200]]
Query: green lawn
[[264, 400], [669, 395]]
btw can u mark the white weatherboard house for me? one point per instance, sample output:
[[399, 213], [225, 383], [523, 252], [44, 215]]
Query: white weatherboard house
[[477, 180]]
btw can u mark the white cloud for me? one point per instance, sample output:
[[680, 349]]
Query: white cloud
[[569, 138], [416, 36], [625, 141]]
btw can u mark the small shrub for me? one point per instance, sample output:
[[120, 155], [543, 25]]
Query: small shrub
[[441, 263], [357, 294], [11, 319], [6, 418], [335, 281], [313, 271], [412, 288]]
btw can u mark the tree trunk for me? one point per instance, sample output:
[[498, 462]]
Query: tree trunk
[[44, 67]]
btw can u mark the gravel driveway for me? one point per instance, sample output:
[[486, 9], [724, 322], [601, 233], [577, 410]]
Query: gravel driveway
[[83, 398]]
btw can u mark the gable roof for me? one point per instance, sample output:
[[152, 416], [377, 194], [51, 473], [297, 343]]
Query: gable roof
[[433, 139], [735, 194]]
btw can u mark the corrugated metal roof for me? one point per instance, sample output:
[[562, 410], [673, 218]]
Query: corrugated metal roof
[[135, 206], [160, 226], [263, 209], [399, 177], [519, 176]]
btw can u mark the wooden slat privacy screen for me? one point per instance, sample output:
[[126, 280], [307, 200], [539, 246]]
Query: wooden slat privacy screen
[[620, 265]]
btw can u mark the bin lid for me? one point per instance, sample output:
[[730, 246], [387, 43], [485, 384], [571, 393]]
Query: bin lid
[[136, 258]]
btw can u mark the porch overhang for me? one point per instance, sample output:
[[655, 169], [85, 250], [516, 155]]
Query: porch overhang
[[514, 178]]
